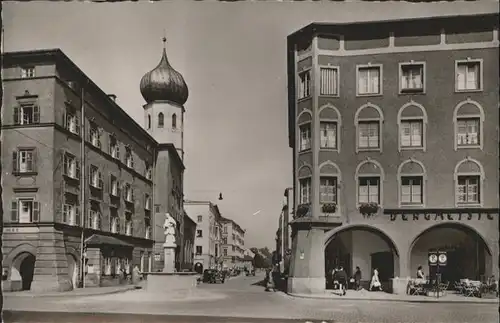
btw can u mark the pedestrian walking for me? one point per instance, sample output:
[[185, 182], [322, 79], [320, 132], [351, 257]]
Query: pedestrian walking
[[375, 282], [341, 277]]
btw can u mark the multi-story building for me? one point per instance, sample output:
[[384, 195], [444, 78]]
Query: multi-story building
[[394, 130], [207, 240], [233, 243], [189, 239], [78, 168]]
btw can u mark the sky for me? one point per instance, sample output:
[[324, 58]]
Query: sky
[[233, 58]]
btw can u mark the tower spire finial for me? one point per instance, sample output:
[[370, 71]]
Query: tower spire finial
[[164, 39]]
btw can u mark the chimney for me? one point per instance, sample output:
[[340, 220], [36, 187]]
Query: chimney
[[112, 97]]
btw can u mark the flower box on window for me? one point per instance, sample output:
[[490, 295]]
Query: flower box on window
[[302, 210], [329, 208], [368, 208]]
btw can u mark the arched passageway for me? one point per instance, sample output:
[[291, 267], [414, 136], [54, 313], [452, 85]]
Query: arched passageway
[[365, 247], [22, 270], [468, 255]]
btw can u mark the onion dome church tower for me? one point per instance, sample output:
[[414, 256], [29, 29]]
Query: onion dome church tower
[[165, 93]]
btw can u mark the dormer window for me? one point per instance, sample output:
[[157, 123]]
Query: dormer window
[[129, 158], [27, 72], [114, 147]]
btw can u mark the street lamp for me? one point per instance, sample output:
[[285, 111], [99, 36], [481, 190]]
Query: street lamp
[[220, 197]]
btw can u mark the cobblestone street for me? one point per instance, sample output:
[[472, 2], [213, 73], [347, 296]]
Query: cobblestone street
[[240, 297]]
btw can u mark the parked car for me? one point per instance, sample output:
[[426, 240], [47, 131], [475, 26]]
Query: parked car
[[213, 276]]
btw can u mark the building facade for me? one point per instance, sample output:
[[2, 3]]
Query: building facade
[[78, 168], [189, 240], [207, 240], [394, 131], [233, 244]]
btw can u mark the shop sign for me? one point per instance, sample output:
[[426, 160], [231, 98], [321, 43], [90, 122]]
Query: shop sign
[[157, 257], [443, 216]]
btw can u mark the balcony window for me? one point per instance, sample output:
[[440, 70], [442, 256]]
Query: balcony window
[[26, 114], [468, 189], [305, 190], [27, 72], [468, 132], [72, 122], [24, 161], [328, 134], [412, 190], [71, 166], [412, 78], [468, 76], [369, 190], [25, 211], [304, 89], [95, 177], [328, 190], [368, 134], [411, 133], [329, 81], [305, 137], [369, 80], [71, 214]]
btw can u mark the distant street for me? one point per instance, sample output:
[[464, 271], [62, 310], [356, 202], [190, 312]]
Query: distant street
[[242, 300]]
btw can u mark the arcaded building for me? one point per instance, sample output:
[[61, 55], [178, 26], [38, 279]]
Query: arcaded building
[[394, 130], [113, 190]]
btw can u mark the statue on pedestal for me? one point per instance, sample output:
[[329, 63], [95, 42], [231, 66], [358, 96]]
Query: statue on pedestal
[[170, 227]]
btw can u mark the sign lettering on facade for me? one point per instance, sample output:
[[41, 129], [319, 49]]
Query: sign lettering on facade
[[442, 216]]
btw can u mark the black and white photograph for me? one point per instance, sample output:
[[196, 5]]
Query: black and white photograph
[[258, 161]]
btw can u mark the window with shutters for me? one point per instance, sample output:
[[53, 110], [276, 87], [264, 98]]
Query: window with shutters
[[25, 211], [114, 186], [71, 166], [369, 189], [95, 135], [95, 177], [411, 77], [368, 134], [328, 134], [24, 160], [72, 122], [329, 81], [114, 147], [26, 113], [369, 79], [468, 75], [304, 90], [411, 133], [468, 132], [328, 189], [129, 158], [71, 214], [128, 224], [27, 72]]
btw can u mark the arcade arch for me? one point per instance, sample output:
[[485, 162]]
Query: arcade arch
[[22, 270]]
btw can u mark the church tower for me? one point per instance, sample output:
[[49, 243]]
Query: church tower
[[165, 93]]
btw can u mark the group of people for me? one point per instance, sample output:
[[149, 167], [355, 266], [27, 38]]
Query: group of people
[[339, 278]]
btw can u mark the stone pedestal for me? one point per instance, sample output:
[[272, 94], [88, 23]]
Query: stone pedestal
[[169, 258], [400, 285]]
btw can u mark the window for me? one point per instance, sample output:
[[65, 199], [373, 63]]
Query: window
[[95, 136], [329, 81], [25, 211], [149, 172], [95, 177], [411, 133], [305, 136], [129, 158], [128, 224], [412, 190], [27, 72], [174, 121], [328, 134], [114, 221], [71, 214], [305, 190], [468, 189], [129, 194], [24, 161], [71, 166], [412, 78], [114, 147], [148, 230], [304, 84], [369, 134], [94, 221], [114, 190], [369, 80], [225, 252], [328, 190], [224, 240], [161, 120], [147, 202], [369, 190], [468, 132], [72, 122], [225, 228], [149, 121], [200, 218], [107, 266], [199, 250], [468, 75], [26, 114], [199, 233]]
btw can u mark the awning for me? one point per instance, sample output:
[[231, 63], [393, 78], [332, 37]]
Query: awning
[[100, 240]]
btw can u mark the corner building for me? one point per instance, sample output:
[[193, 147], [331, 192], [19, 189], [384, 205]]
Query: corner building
[[130, 176], [394, 130]]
